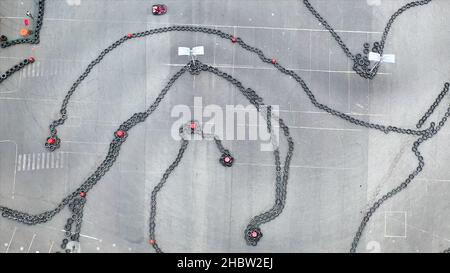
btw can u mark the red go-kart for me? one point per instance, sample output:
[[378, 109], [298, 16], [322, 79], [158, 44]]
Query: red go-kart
[[159, 9]]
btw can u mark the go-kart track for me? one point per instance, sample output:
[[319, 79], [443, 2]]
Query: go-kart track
[[363, 168]]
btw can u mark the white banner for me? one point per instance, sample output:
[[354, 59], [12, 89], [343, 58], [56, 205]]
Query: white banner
[[386, 58]]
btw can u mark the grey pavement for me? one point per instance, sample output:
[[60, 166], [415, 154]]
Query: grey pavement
[[338, 169]]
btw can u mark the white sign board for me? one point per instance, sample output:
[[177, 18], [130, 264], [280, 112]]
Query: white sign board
[[386, 58], [186, 51]]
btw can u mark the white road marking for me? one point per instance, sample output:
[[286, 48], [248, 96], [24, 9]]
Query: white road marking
[[24, 162], [15, 167], [10, 241], [273, 68], [19, 161], [85, 142], [63, 231], [294, 166], [51, 246], [47, 163], [31, 243], [52, 161], [325, 128], [40, 161], [43, 161], [305, 127], [61, 160], [203, 25], [90, 237], [405, 217], [57, 158], [8, 92], [28, 162], [33, 163]]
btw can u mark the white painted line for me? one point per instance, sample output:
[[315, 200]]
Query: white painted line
[[33, 161], [52, 162], [10, 241], [326, 128], [28, 162], [61, 160], [63, 231], [33, 70], [90, 237], [88, 102], [28, 99], [38, 161], [272, 68], [19, 161], [200, 25], [47, 165], [32, 240], [83, 153], [51, 246], [15, 167], [294, 166], [33, 164], [386, 235], [9, 92], [57, 157], [430, 233], [85, 142], [24, 162], [433, 180], [304, 127], [43, 161]]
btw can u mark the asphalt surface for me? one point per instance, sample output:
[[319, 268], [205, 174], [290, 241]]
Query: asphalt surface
[[337, 170]]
